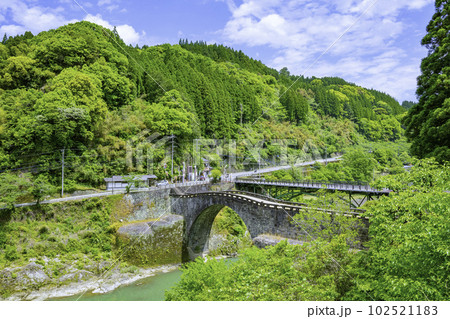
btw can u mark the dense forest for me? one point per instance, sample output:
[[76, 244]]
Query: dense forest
[[80, 89]]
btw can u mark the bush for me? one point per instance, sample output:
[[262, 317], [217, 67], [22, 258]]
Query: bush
[[11, 253], [3, 240], [43, 230], [215, 174], [314, 271]]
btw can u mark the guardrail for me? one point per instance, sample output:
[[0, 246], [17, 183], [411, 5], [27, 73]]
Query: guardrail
[[334, 185]]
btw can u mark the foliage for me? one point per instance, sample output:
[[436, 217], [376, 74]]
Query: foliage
[[408, 104], [132, 180], [424, 176], [64, 229], [12, 187], [428, 122], [327, 217], [408, 256], [231, 227], [314, 271], [360, 164], [215, 175], [80, 88], [40, 187]]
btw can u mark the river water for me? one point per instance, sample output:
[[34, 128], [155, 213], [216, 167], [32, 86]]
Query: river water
[[147, 289]]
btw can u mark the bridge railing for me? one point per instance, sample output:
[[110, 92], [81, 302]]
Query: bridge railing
[[276, 200]]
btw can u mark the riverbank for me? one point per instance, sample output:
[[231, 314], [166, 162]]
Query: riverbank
[[96, 285]]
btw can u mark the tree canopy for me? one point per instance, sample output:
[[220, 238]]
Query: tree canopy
[[80, 88], [428, 122]]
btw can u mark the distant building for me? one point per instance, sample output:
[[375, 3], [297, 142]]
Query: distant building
[[120, 182]]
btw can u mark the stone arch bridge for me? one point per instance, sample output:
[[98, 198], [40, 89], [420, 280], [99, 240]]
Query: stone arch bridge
[[261, 215]]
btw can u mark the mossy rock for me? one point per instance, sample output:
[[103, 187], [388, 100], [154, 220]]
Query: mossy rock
[[151, 243]]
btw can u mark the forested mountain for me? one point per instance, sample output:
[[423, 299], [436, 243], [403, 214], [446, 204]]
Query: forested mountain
[[80, 88]]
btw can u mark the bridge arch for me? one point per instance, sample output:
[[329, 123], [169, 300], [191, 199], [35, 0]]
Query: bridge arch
[[199, 211], [198, 235]]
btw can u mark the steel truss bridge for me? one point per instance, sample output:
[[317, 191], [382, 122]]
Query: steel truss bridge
[[287, 190]]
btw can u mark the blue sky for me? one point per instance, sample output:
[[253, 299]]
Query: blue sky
[[381, 50]]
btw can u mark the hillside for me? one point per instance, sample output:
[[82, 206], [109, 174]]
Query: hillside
[[81, 89]]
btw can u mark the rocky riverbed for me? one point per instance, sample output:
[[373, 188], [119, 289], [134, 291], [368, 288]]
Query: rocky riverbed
[[35, 281]]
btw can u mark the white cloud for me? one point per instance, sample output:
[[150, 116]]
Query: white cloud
[[28, 17], [301, 31], [103, 2], [110, 5], [128, 34]]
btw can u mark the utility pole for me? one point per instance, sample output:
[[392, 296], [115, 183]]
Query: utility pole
[[62, 172], [171, 177], [184, 171], [241, 114]]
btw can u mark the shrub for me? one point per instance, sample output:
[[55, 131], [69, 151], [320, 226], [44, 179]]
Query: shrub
[[11, 253], [215, 174], [43, 230]]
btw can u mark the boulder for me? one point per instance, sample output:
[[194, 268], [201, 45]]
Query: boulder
[[262, 241], [32, 275]]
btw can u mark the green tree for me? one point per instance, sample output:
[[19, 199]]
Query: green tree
[[428, 122], [40, 188], [70, 113], [132, 180], [216, 174], [360, 163], [314, 271], [12, 186], [171, 115], [408, 256]]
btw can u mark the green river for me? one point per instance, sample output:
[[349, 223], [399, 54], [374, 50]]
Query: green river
[[147, 289]]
